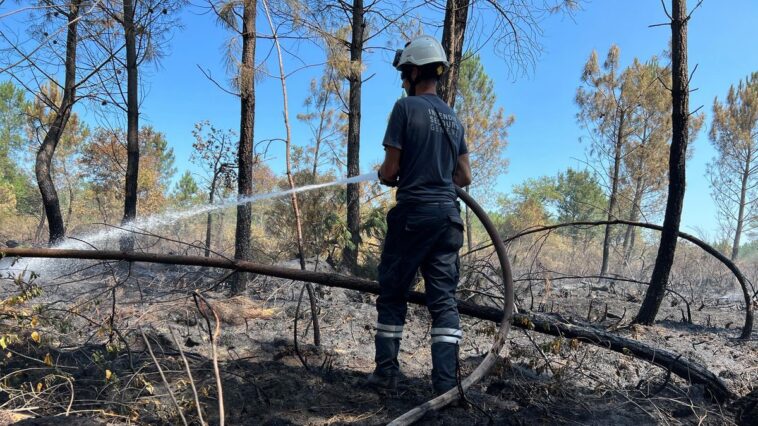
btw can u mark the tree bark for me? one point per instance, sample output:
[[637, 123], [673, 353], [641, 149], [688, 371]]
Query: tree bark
[[614, 191], [677, 158], [242, 249], [40, 226], [132, 126], [453, 32], [350, 253], [44, 159], [71, 195]]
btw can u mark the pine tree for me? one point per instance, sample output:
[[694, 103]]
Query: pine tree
[[186, 192], [102, 162], [16, 190], [485, 128], [645, 154], [734, 171], [239, 18], [680, 117], [604, 109]]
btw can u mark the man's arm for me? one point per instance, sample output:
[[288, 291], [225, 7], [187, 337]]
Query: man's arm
[[462, 176], [388, 172]]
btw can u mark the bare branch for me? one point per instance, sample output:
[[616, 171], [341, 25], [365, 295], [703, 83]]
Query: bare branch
[[689, 15], [189, 377], [213, 80], [163, 377]]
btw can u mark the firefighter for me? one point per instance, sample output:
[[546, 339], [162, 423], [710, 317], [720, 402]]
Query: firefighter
[[425, 158]]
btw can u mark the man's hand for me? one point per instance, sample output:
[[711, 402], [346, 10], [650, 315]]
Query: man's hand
[[390, 183], [462, 176], [389, 172]]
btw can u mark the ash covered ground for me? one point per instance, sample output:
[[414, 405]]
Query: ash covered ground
[[89, 359]]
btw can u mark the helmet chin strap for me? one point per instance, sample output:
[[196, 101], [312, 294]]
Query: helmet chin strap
[[412, 84], [412, 89]]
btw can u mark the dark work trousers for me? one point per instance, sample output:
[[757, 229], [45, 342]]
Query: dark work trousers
[[425, 237]]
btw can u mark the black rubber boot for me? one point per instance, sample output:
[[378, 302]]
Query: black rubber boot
[[379, 381], [443, 367], [386, 356]]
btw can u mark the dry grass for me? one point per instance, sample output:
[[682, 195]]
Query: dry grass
[[238, 309], [233, 311], [9, 417]]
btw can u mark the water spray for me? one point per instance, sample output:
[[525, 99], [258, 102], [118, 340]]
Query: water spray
[[505, 316], [90, 241]]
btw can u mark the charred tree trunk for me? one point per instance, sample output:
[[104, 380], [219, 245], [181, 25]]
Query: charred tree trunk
[[614, 191], [71, 196], [132, 124], [350, 253], [677, 157], [43, 164], [453, 31], [242, 249], [316, 149]]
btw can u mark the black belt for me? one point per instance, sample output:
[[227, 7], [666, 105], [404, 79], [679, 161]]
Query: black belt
[[448, 203]]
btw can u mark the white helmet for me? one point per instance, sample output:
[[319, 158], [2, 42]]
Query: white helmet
[[421, 50]]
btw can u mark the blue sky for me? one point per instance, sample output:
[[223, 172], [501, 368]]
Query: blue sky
[[545, 138]]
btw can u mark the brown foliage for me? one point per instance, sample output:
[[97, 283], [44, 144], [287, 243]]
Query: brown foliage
[[103, 160]]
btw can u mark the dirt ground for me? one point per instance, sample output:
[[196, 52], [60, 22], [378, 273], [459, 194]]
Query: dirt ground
[[103, 375]]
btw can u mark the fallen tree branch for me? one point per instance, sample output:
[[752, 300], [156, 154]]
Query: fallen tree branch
[[688, 370], [747, 328], [546, 324]]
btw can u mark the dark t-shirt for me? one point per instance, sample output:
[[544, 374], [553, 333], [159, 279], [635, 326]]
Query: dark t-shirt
[[426, 164]]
